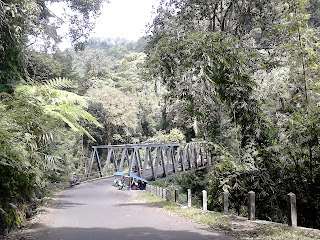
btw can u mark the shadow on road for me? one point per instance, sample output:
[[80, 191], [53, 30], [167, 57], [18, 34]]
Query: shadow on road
[[141, 233], [63, 204], [153, 204]]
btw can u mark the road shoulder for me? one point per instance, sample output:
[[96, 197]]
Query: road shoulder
[[234, 226]]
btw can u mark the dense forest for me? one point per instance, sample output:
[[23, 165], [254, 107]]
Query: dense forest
[[241, 74]]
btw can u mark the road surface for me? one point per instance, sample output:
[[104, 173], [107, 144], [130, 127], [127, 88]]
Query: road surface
[[97, 210]]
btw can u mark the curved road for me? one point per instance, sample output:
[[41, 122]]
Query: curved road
[[97, 210]]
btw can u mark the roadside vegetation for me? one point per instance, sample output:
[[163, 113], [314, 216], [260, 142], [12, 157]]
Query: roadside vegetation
[[241, 75], [235, 227], [245, 75]]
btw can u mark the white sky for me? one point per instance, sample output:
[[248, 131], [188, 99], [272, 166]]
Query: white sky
[[124, 18], [119, 18]]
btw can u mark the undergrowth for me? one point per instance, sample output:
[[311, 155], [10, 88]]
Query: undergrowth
[[229, 224]]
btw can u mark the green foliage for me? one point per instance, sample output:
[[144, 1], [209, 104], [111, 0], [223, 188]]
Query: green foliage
[[122, 98], [175, 136], [121, 111], [245, 76], [241, 74], [33, 127], [59, 104], [206, 59], [236, 228], [39, 119], [22, 23], [43, 67], [12, 17]]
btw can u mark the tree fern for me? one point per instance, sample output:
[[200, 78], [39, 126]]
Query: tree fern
[[62, 105]]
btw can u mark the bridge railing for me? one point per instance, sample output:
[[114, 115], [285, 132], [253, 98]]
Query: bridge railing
[[150, 161]]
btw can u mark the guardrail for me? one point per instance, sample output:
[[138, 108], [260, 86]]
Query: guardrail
[[165, 194]]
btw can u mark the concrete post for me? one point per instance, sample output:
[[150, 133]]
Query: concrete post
[[292, 209], [204, 200], [160, 192], [164, 196], [167, 195], [251, 206], [189, 197], [225, 202], [176, 196], [158, 189]]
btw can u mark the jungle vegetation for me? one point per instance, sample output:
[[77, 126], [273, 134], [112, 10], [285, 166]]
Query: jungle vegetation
[[241, 74], [247, 74]]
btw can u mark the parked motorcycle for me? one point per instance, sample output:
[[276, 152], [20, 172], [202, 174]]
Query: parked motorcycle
[[75, 180]]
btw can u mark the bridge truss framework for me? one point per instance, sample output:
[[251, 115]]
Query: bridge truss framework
[[159, 160]]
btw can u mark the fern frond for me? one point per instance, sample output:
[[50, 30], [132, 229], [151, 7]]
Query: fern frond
[[62, 96], [60, 116], [30, 92], [71, 114], [58, 83], [60, 104], [86, 133], [46, 138]]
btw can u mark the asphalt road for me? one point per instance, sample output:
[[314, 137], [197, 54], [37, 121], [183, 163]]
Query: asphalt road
[[98, 210]]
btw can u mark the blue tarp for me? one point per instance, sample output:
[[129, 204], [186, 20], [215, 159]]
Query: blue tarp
[[119, 173], [139, 178], [131, 175]]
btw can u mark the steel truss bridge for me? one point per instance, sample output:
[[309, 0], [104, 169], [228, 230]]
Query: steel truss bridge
[[150, 161]]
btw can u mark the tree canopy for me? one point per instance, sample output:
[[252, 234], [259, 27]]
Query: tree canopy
[[246, 73], [40, 113]]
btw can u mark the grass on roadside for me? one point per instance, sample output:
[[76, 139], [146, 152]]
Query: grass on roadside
[[270, 232], [236, 228]]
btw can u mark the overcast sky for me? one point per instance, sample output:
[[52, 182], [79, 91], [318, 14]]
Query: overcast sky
[[124, 18], [119, 18]]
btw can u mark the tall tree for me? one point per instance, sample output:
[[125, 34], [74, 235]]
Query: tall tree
[[23, 22], [37, 115], [251, 66]]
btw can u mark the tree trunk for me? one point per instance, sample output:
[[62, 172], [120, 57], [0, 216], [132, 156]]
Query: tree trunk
[[109, 135]]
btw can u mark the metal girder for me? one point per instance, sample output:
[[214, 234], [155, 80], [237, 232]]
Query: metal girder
[[157, 163], [141, 145], [145, 163], [167, 158], [123, 156]]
